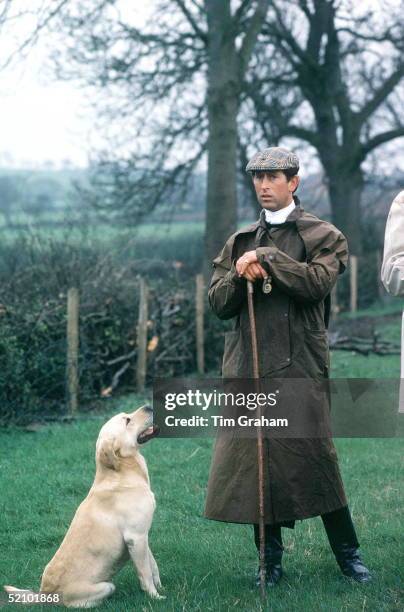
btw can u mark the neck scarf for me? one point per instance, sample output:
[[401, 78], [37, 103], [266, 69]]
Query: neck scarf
[[279, 216]]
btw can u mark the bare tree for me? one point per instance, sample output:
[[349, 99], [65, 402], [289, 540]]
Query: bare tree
[[335, 82], [167, 92], [39, 13], [231, 40]]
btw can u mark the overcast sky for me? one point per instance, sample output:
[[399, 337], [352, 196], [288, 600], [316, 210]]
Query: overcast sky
[[42, 120]]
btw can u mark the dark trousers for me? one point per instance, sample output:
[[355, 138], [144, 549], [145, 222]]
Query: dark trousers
[[338, 526]]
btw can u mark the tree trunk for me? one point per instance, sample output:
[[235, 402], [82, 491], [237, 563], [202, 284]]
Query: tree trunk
[[248, 189], [345, 193], [222, 101]]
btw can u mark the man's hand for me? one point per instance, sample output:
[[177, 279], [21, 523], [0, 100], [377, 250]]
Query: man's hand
[[247, 265]]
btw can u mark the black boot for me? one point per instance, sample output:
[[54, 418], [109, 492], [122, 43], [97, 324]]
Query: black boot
[[351, 564], [273, 554], [344, 543]]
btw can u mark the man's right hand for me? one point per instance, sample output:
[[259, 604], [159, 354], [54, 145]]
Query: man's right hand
[[253, 271]]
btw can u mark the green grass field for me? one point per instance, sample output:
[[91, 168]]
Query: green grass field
[[98, 230], [205, 565], [386, 321]]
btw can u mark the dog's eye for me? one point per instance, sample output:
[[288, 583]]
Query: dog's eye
[[127, 419]]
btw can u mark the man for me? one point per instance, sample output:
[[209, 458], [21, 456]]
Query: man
[[294, 259], [393, 267]]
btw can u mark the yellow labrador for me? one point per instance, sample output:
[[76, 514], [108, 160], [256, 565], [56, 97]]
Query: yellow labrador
[[111, 525]]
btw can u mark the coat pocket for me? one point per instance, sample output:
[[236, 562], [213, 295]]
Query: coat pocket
[[231, 355], [316, 352]]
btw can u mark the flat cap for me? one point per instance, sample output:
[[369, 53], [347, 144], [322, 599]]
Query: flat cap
[[273, 158]]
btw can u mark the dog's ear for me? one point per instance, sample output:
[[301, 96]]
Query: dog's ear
[[107, 454]]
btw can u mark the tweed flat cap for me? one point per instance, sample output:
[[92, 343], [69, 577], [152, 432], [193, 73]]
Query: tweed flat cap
[[273, 158]]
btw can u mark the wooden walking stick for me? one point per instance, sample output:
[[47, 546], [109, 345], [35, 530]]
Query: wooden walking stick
[[260, 446]]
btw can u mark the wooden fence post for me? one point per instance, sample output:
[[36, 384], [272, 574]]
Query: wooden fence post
[[73, 349], [381, 292], [354, 282], [199, 308], [142, 336]]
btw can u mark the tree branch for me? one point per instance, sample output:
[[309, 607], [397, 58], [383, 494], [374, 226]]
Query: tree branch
[[381, 93], [305, 8], [191, 20], [239, 13], [250, 37], [31, 39], [320, 24], [380, 139], [284, 35], [4, 10], [198, 6], [302, 133]]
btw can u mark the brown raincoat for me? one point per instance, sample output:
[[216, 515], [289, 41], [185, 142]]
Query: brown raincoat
[[304, 256]]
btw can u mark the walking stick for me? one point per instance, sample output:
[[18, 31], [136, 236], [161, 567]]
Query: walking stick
[[260, 446]]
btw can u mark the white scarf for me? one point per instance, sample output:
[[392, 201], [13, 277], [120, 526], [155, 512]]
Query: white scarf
[[275, 217]]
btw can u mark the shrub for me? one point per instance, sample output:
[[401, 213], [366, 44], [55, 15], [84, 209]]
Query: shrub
[[36, 274]]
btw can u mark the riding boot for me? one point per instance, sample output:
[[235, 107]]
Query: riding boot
[[273, 554], [344, 544]]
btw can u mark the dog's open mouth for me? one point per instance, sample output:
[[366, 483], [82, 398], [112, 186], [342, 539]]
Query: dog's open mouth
[[148, 434]]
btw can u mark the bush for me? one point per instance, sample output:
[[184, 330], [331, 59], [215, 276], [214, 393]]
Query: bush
[[36, 274]]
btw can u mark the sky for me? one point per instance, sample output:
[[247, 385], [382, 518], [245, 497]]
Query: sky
[[43, 121]]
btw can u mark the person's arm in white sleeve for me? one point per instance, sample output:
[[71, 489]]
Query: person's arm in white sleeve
[[392, 273]]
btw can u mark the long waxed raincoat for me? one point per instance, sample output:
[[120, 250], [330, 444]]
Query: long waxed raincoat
[[304, 256]]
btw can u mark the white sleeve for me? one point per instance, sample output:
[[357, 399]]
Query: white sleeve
[[392, 273]]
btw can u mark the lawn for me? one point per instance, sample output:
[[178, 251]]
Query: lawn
[[98, 231], [205, 565], [386, 321]]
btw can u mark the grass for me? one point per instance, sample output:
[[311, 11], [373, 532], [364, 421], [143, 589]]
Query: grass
[[392, 306], [205, 565], [346, 364], [99, 230], [163, 241]]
